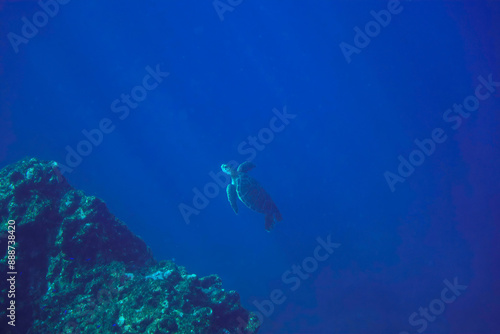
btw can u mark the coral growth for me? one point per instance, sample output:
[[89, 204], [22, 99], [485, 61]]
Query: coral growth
[[81, 270]]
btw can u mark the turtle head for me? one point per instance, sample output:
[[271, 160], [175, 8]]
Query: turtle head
[[228, 170]]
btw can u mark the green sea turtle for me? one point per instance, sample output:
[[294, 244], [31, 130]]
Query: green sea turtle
[[250, 192]]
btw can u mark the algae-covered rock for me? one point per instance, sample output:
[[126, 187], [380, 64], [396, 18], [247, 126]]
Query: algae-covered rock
[[78, 269]]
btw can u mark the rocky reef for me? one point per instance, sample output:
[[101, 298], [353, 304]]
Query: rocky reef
[[73, 267]]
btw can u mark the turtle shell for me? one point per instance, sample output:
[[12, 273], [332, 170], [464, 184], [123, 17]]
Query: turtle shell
[[251, 193]]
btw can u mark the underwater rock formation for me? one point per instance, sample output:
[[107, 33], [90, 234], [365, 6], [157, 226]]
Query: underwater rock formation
[[79, 269]]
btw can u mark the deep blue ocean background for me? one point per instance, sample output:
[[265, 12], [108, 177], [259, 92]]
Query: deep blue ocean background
[[229, 68]]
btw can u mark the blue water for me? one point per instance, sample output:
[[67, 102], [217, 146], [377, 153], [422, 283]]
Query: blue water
[[415, 249]]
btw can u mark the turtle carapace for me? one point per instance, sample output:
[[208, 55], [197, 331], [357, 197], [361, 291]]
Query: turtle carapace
[[250, 192]]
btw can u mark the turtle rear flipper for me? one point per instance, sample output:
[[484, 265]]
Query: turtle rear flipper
[[277, 215], [269, 222], [232, 197]]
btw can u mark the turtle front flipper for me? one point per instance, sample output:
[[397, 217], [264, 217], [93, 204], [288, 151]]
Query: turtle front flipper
[[232, 197], [245, 167]]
